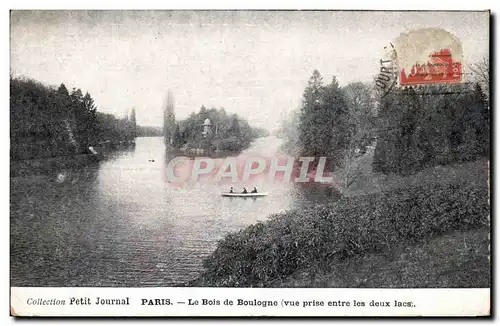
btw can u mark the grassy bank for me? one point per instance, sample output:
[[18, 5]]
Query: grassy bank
[[318, 246], [454, 259]]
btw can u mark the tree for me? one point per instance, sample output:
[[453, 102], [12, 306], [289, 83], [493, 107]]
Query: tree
[[476, 124], [289, 132], [481, 104], [310, 116], [178, 140], [168, 119], [63, 91], [398, 146], [91, 117], [431, 124], [334, 132], [361, 132], [323, 121], [88, 103], [387, 129], [481, 75], [133, 123], [234, 129]]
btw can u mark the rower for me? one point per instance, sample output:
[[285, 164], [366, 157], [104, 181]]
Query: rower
[[254, 190], [231, 190], [245, 191]]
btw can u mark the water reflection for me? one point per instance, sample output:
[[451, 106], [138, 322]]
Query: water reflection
[[120, 224]]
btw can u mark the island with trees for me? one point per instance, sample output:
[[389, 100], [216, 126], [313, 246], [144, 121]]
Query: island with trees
[[208, 131]]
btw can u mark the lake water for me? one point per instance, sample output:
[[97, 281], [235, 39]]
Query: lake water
[[119, 223]]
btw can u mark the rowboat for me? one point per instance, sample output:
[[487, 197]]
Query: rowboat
[[235, 194]]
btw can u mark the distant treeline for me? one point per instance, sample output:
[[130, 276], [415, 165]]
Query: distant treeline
[[148, 131], [411, 127], [227, 132], [47, 121]]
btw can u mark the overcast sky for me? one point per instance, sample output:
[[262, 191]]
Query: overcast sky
[[255, 64]]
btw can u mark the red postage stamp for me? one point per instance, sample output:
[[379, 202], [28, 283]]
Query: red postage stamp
[[441, 68], [429, 56]]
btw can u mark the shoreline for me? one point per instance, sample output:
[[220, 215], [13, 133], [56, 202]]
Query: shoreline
[[321, 245], [400, 268]]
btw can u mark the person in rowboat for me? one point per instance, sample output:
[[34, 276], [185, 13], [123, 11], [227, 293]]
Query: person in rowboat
[[245, 191], [231, 190], [254, 190]]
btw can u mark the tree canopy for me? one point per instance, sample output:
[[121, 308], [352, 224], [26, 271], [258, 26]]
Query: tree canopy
[[410, 127], [48, 121], [227, 132]]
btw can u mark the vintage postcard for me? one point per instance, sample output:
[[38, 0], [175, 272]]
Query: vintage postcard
[[249, 163]]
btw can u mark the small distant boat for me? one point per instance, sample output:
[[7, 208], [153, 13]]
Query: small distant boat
[[236, 194]]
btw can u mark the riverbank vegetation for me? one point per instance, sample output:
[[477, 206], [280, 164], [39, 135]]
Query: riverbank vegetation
[[46, 121]]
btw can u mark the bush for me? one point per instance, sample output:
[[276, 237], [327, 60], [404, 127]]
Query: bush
[[315, 236]]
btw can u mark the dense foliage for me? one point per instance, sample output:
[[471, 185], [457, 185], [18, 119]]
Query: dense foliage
[[48, 122], [333, 121], [429, 125], [322, 234], [323, 126], [412, 127], [227, 132]]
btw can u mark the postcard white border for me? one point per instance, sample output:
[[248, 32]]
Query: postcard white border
[[145, 4], [235, 302]]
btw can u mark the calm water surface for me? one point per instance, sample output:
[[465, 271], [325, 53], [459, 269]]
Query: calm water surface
[[118, 223]]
